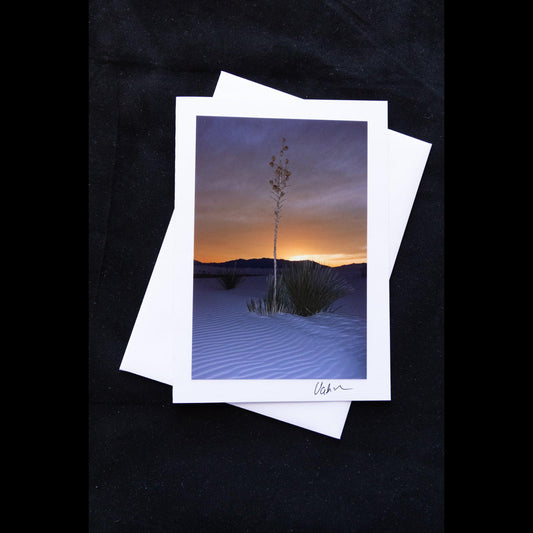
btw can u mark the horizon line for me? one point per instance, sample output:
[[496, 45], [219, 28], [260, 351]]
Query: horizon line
[[279, 259]]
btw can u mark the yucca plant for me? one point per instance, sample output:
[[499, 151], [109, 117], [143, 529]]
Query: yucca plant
[[312, 288], [230, 278], [305, 288]]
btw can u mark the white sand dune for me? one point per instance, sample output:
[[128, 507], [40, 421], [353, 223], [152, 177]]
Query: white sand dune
[[230, 342]]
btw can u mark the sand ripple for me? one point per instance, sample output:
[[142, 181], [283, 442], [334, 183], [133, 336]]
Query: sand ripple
[[229, 342]]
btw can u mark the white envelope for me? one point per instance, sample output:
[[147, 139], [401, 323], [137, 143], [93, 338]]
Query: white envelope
[[149, 352]]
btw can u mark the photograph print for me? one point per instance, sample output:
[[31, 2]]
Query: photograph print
[[280, 249]]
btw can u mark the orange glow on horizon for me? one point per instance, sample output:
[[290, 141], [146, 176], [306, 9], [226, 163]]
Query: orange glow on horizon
[[332, 260], [296, 244]]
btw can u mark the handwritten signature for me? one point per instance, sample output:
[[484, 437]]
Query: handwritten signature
[[320, 388]]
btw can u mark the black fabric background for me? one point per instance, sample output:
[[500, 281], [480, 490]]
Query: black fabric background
[[158, 467]]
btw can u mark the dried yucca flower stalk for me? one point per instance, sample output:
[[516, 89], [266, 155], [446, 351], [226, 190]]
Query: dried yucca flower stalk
[[279, 185]]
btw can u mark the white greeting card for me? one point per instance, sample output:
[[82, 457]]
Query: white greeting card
[[323, 333], [150, 347]]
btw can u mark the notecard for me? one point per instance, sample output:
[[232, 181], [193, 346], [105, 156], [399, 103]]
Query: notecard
[[321, 332]]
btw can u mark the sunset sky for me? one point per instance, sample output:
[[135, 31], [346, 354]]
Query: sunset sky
[[324, 215]]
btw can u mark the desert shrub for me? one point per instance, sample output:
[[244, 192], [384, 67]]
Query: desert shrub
[[303, 289], [263, 306], [230, 279], [312, 288], [270, 305]]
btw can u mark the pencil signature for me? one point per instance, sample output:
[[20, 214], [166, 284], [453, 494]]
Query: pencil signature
[[320, 388]]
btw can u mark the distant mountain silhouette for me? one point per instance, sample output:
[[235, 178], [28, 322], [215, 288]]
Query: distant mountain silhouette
[[264, 262]]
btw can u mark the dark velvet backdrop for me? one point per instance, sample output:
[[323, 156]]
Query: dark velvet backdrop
[[155, 466]]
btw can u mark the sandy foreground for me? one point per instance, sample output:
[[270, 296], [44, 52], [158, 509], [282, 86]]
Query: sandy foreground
[[230, 342]]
